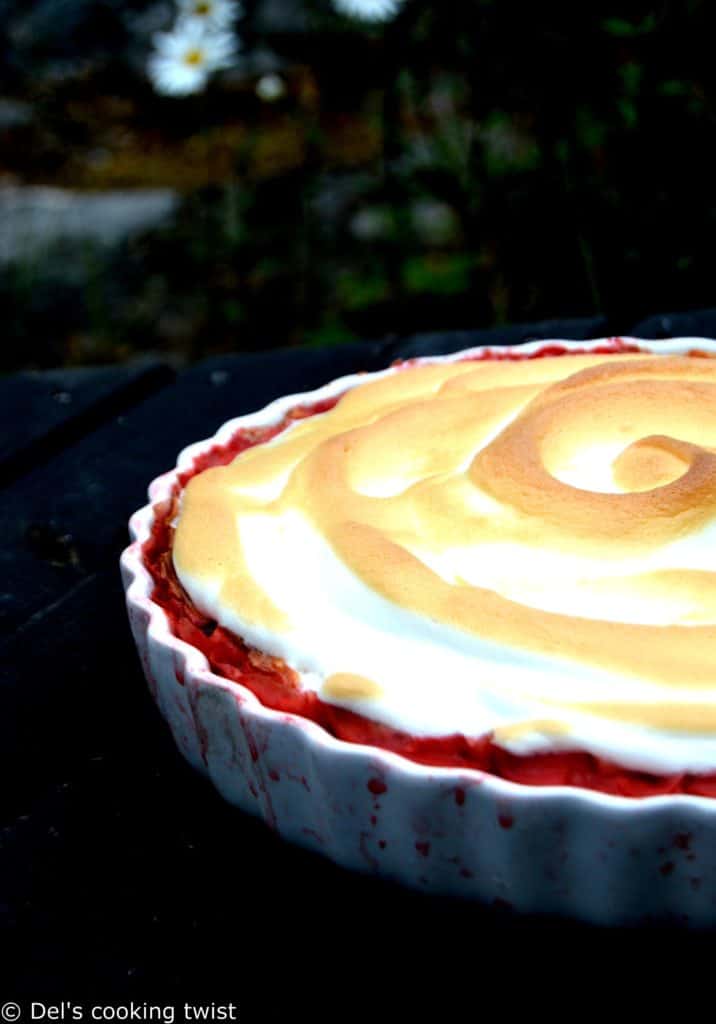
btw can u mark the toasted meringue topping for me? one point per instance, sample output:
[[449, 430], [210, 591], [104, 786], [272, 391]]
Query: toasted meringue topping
[[473, 547]]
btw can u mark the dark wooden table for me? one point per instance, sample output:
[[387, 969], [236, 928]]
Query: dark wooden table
[[122, 873]]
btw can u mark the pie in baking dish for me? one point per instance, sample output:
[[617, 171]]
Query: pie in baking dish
[[505, 563]]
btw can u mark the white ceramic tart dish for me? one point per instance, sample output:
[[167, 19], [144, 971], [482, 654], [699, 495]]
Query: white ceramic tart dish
[[592, 631]]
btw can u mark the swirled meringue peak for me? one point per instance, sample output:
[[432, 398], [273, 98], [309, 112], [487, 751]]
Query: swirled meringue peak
[[524, 548]]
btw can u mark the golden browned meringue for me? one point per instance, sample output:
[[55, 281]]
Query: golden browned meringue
[[547, 512]]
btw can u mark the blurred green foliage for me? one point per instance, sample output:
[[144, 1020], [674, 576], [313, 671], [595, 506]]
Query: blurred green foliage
[[468, 164]]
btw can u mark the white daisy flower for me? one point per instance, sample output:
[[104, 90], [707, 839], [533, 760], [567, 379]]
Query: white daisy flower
[[185, 57], [368, 10], [214, 14]]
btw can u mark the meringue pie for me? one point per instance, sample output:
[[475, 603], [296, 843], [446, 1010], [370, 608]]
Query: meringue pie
[[505, 562]]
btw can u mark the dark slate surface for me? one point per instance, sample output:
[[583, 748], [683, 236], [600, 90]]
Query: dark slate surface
[[700, 324], [513, 334], [51, 408], [122, 874]]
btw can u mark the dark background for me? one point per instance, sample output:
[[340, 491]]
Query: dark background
[[465, 165]]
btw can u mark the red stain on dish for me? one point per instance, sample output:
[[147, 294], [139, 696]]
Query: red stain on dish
[[667, 868], [682, 840], [459, 796], [201, 732], [251, 741], [365, 852], [148, 674], [260, 786], [373, 820], [382, 844], [466, 873], [274, 775], [377, 787], [185, 736], [178, 670], [506, 820], [423, 848], [269, 814], [301, 779]]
